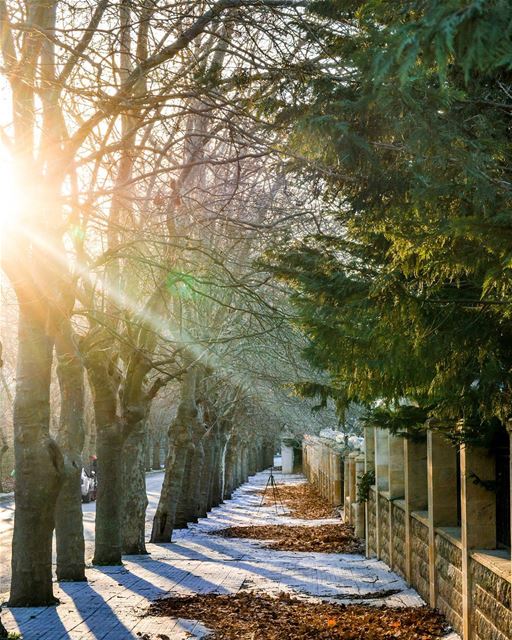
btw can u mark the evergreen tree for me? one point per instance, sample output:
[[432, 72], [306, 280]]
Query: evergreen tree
[[405, 292]]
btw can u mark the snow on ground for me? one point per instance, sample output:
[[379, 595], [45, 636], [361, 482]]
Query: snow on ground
[[110, 605]]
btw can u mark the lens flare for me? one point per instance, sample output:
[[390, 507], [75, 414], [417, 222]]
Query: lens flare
[[11, 193]]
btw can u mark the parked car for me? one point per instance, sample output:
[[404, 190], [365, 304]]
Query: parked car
[[88, 486]]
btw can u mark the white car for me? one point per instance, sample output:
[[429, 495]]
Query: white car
[[87, 487]]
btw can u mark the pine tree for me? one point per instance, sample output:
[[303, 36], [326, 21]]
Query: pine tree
[[408, 293]]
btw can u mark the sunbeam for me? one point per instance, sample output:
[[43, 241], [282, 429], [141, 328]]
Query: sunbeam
[[11, 193]]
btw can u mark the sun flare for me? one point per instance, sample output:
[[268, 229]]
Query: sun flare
[[11, 195]]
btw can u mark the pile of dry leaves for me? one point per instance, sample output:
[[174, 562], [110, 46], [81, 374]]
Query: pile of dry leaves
[[250, 616], [302, 500], [324, 538]]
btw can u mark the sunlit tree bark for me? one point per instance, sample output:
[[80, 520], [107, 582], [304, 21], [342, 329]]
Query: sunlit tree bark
[[180, 448], [68, 514]]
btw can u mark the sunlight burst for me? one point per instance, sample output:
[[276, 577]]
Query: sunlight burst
[[11, 194]]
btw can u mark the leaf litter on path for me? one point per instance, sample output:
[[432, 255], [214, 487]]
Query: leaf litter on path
[[254, 616], [302, 500], [323, 538]]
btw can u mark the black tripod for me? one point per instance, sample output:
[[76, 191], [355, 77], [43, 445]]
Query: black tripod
[[272, 486]]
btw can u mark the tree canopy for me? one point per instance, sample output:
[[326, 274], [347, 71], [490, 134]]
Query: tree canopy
[[404, 292]]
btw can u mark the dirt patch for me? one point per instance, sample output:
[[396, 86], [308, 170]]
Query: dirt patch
[[324, 538], [250, 616], [302, 501]]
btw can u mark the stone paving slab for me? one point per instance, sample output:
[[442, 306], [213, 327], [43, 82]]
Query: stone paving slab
[[110, 606]]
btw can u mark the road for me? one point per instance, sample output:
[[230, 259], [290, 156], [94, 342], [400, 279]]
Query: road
[[153, 488]]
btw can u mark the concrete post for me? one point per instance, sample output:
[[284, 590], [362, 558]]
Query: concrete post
[[305, 461], [359, 520], [478, 517], [381, 459], [381, 479], [396, 483], [369, 449], [369, 465], [346, 488], [396, 479], [416, 490], [337, 482], [352, 495], [286, 458], [325, 470], [442, 496]]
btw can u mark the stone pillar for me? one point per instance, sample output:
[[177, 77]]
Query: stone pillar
[[346, 490], [286, 458], [359, 519], [396, 484], [442, 496], [331, 476], [381, 459], [416, 490], [478, 517], [337, 482], [381, 479], [396, 480], [326, 468], [369, 449], [369, 465], [305, 461], [313, 457], [352, 489]]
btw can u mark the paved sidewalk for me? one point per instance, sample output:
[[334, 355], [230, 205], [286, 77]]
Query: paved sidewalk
[[111, 604]]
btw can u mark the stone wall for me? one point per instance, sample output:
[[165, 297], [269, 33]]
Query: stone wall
[[322, 464], [398, 541], [490, 586], [491, 615], [384, 529], [449, 579], [372, 541], [420, 577], [436, 527], [430, 522]]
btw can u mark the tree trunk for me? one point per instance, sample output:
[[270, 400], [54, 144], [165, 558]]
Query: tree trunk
[[163, 522], [148, 448], [4, 445], [223, 466], [69, 528], [182, 508], [231, 465], [3, 632], [38, 464], [108, 542], [217, 471], [198, 464], [180, 444], [156, 451], [188, 507], [69, 525], [3, 451], [206, 476], [104, 382], [89, 447], [135, 497]]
